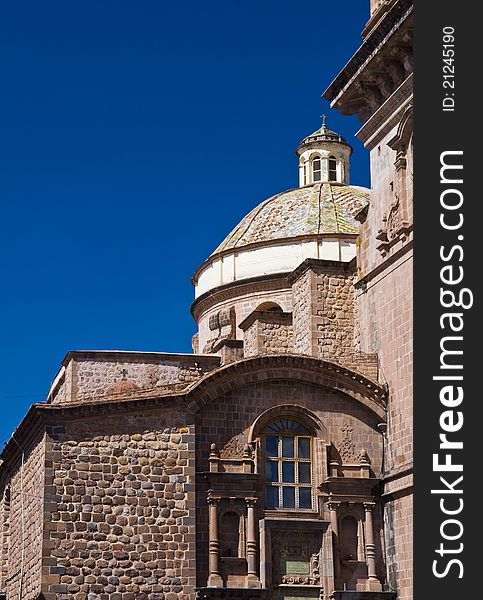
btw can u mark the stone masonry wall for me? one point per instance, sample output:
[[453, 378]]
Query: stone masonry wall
[[324, 307], [22, 568], [120, 506], [88, 375], [391, 203], [399, 544], [386, 324], [250, 340], [4, 535], [386, 328], [384, 298], [268, 333], [248, 299], [276, 338], [302, 314]]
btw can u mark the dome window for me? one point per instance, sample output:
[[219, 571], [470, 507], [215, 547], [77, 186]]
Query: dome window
[[316, 169], [288, 466], [332, 169]]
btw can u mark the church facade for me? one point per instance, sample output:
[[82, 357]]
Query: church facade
[[275, 461]]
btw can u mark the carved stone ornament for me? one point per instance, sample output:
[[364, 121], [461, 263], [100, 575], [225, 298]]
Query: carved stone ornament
[[234, 448], [347, 449], [295, 559], [223, 326], [394, 228], [395, 225]]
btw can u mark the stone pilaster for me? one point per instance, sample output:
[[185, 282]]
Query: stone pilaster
[[334, 523], [323, 309], [252, 578], [214, 578], [373, 583]]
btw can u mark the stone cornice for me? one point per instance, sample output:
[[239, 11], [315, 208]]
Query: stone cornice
[[136, 356], [387, 115], [210, 386], [396, 485], [392, 258], [289, 366], [313, 263], [379, 66], [40, 414], [27, 430], [237, 288], [317, 144], [392, 20], [377, 16], [265, 317]]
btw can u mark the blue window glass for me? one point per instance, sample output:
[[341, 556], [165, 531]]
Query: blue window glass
[[288, 466]]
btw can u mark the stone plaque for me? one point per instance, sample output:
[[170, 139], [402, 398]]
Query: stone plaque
[[295, 558], [296, 566], [297, 594]]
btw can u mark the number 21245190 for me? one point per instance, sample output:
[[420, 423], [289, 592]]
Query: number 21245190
[[448, 49]]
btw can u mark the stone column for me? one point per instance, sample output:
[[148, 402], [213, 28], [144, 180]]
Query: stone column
[[334, 523], [252, 579], [373, 583], [214, 578]]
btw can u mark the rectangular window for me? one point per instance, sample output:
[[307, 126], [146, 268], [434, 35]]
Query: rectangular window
[[288, 497], [304, 472], [288, 470], [332, 169], [271, 498], [305, 497], [287, 447]]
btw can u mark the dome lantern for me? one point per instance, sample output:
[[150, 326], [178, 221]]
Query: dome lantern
[[324, 157]]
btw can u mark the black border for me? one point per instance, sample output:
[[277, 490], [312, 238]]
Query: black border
[[437, 131]]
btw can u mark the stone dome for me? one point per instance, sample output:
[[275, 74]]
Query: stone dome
[[316, 220], [317, 209]]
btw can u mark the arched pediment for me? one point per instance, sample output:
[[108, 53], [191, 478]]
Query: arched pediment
[[303, 415], [404, 132], [295, 368]]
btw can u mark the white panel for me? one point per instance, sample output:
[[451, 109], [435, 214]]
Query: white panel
[[347, 250], [270, 259], [227, 269], [329, 249], [209, 278], [309, 250]]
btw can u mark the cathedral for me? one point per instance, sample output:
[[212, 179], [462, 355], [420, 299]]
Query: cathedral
[[275, 461]]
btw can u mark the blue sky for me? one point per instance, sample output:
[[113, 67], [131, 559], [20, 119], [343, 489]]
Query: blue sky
[[134, 136]]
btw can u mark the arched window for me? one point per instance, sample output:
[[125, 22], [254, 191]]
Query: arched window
[[332, 169], [303, 166], [316, 169], [269, 307], [288, 466]]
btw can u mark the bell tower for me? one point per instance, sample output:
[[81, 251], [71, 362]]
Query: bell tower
[[324, 157]]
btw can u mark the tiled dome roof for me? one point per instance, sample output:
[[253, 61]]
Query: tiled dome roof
[[312, 210]]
